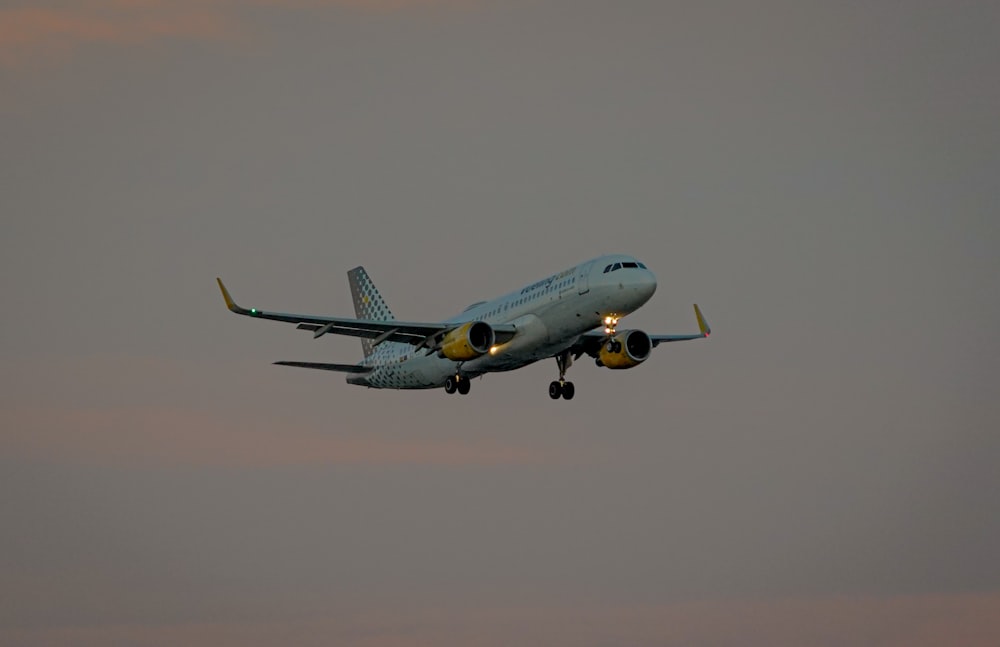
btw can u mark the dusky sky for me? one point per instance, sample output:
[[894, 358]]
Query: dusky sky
[[821, 177]]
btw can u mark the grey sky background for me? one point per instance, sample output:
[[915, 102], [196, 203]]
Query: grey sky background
[[820, 177]]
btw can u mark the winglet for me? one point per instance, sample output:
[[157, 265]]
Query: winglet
[[229, 300], [702, 324]]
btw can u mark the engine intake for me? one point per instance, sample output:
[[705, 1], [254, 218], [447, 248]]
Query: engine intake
[[468, 341], [626, 349]]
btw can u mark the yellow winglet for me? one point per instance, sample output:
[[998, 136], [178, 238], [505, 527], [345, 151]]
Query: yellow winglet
[[232, 304], [702, 324], [225, 295]]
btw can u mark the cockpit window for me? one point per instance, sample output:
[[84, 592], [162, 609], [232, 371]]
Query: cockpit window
[[641, 265], [607, 269], [616, 266], [632, 265]]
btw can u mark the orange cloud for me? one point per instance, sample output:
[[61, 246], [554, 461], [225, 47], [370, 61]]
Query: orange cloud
[[51, 30], [161, 436], [29, 33]]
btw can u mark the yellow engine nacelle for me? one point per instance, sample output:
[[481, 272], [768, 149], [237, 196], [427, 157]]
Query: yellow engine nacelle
[[626, 349], [468, 341]]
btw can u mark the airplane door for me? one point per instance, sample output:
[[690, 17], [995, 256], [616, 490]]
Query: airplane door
[[583, 278]]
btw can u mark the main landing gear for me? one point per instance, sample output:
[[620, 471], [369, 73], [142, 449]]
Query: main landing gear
[[457, 383], [562, 388]]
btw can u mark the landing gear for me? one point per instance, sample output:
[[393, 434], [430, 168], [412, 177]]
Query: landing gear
[[457, 383], [562, 388], [565, 390]]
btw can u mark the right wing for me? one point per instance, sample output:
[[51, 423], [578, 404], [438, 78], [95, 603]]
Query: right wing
[[426, 335]]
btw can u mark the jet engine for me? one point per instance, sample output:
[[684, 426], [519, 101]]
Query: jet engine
[[468, 341], [626, 349]]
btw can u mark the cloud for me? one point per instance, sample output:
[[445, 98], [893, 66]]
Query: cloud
[[122, 410], [136, 436], [55, 30], [41, 32], [971, 620]]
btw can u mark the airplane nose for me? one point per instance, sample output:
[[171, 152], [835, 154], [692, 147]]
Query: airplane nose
[[646, 285]]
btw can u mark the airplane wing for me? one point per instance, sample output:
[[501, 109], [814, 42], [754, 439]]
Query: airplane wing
[[590, 342], [419, 334], [703, 327]]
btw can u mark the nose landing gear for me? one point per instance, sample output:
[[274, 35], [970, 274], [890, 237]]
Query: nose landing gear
[[562, 388]]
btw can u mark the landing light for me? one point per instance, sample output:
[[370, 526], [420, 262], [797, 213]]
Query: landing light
[[494, 349]]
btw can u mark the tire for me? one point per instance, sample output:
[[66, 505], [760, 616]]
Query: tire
[[568, 391], [449, 385], [555, 390], [464, 386]]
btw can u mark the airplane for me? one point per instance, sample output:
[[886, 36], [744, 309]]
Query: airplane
[[563, 316]]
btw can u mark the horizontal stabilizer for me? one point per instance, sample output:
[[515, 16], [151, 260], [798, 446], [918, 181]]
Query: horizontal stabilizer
[[342, 368]]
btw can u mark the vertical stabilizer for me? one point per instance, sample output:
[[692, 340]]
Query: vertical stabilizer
[[368, 303]]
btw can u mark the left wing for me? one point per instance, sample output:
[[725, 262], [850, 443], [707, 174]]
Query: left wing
[[590, 342], [407, 332], [703, 327]]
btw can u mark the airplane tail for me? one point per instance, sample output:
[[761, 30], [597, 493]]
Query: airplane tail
[[368, 303]]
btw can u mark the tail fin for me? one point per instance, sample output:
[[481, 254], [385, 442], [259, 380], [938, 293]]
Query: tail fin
[[368, 303]]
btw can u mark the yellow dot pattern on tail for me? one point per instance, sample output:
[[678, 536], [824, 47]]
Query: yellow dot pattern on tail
[[368, 303]]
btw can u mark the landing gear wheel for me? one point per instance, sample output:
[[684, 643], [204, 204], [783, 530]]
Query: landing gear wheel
[[464, 386], [450, 385], [561, 388]]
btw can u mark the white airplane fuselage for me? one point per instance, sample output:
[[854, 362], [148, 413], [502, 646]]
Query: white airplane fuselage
[[549, 316]]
